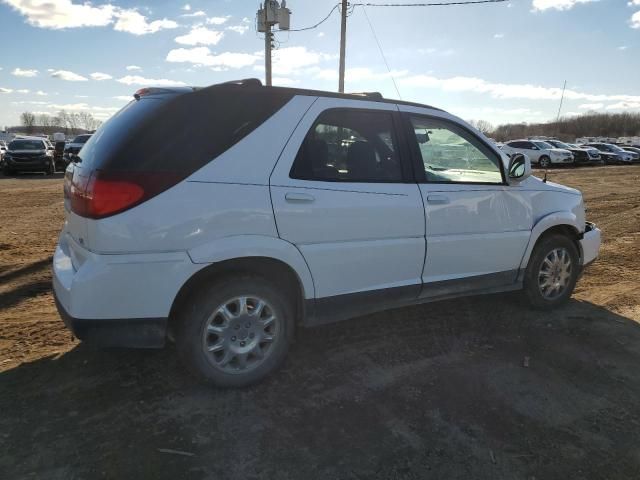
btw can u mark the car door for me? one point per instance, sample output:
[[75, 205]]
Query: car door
[[477, 226], [343, 194]]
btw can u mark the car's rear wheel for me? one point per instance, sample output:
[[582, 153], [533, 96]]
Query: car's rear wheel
[[545, 161], [235, 332], [552, 272]]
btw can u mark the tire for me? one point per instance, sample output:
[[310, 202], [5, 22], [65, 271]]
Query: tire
[[544, 161], [543, 270], [7, 172], [234, 334]]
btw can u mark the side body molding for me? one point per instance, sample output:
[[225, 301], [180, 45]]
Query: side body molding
[[243, 246], [544, 224]]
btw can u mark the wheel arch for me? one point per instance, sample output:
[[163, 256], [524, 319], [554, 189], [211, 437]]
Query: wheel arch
[[271, 269], [564, 223]]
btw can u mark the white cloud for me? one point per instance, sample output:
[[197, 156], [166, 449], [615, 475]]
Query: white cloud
[[124, 98], [498, 35], [624, 106], [591, 106], [359, 74], [23, 91], [131, 21], [60, 14], [200, 36], [151, 82], [635, 20], [623, 47], [634, 2], [291, 59], [241, 29], [100, 76], [199, 13], [5, 90], [68, 76], [320, 34], [132, 68], [203, 56], [217, 20], [19, 72], [508, 91], [40, 93], [284, 81], [186, 7], [542, 5]]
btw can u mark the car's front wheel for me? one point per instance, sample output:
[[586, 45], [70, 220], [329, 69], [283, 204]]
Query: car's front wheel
[[545, 161], [235, 332], [552, 272]]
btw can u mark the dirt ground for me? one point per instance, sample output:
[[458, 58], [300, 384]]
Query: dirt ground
[[435, 391]]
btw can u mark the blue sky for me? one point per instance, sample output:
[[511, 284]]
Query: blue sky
[[501, 62]]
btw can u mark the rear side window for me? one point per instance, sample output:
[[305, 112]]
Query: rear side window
[[179, 133], [349, 146]]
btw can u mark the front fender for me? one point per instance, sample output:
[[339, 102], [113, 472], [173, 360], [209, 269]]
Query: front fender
[[243, 246], [564, 218]]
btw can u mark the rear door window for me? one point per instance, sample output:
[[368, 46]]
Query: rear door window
[[180, 133], [346, 145]]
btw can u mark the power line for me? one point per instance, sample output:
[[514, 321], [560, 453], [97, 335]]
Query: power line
[[312, 26], [381, 52], [434, 4]]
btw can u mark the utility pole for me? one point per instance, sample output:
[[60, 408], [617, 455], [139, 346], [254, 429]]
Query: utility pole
[[268, 38], [272, 13], [343, 41], [561, 100]]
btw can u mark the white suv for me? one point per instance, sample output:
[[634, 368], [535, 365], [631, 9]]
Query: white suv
[[225, 217], [541, 153]]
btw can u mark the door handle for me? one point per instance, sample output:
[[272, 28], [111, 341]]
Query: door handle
[[299, 197], [437, 199]]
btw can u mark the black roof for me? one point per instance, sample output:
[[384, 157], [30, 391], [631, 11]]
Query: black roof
[[254, 83]]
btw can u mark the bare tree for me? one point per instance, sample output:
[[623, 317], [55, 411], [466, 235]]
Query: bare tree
[[28, 120], [483, 125]]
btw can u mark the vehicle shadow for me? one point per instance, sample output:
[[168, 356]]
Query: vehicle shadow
[[472, 388]]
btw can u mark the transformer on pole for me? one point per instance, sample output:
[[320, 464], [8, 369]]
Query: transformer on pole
[[272, 13]]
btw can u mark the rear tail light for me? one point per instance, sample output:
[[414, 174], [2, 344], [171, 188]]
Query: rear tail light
[[102, 194]]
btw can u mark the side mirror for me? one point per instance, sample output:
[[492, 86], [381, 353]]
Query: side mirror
[[519, 168]]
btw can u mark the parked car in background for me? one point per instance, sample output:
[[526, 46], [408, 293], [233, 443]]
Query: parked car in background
[[581, 156], [633, 150], [295, 208], [71, 149], [594, 153], [58, 154], [3, 148], [540, 153], [29, 154], [615, 154]]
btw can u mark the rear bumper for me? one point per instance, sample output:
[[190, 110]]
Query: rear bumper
[[116, 332], [590, 244], [117, 300]]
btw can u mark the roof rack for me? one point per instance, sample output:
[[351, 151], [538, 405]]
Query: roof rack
[[244, 82], [371, 95]]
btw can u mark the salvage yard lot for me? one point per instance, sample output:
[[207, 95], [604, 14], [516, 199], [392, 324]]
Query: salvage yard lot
[[479, 388]]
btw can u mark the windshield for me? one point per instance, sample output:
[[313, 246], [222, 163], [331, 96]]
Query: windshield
[[561, 144], [615, 148], [26, 145], [81, 139], [544, 145]]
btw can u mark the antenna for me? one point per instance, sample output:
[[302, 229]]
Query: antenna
[[561, 100]]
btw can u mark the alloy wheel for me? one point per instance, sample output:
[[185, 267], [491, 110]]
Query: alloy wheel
[[554, 275], [239, 335]]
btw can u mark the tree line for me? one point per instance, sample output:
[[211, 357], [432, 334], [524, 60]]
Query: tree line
[[63, 121], [590, 124]]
